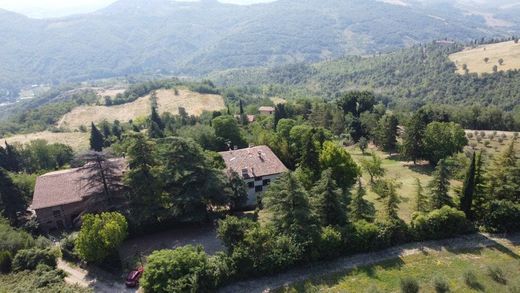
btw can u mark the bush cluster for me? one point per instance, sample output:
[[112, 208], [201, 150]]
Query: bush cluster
[[438, 224], [29, 259]]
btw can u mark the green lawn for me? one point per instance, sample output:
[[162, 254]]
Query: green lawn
[[405, 173], [451, 266]]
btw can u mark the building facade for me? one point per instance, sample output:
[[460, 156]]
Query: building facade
[[258, 166]]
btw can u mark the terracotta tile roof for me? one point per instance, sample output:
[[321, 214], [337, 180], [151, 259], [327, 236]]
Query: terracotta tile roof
[[253, 162], [62, 187]]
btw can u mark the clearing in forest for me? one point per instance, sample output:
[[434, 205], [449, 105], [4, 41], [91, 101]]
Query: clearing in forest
[[483, 58], [168, 101], [78, 141]]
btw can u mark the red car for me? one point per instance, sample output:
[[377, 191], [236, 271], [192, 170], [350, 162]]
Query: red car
[[132, 280]]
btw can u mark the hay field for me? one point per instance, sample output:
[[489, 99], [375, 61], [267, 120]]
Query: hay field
[[474, 58], [79, 141], [194, 103]]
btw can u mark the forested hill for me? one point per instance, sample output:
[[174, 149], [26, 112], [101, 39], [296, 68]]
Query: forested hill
[[191, 38], [408, 78]]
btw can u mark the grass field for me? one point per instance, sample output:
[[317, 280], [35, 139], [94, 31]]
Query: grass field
[[77, 140], [452, 266], [474, 58], [404, 173], [194, 103]]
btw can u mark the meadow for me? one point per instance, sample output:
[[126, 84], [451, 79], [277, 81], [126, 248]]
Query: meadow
[[474, 58]]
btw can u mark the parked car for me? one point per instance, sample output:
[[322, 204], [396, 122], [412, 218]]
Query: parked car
[[132, 280]]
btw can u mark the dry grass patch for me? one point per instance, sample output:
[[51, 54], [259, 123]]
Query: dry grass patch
[[194, 103], [79, 141], [474, 58]]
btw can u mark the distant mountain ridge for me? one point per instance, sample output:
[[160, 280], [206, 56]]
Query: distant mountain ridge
[[195, 38]]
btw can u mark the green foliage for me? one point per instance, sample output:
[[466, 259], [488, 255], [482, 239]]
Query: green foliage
[[265, 251], [100, 236], [228, 132], [373, 167], [326, 201], [238, 195], [38, 155], [5, 262], [12, 240], [11, 200], [344, 169], [184, 269], [360, 208], [439, 224], [440, 285], [331, 242], [386, 133], [502, 216], [468, 189], [232, 230], [413, 137], [363, 144], [409, 285], [44, 279], [497, 274], [96, 139], [421, 201], [471, 280], [288, 204], [439, 187], [503, 176], [387, 191], [29, 259], [442, 140]]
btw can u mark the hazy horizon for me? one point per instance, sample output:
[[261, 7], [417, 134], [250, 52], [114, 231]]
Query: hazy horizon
[[60, 8]]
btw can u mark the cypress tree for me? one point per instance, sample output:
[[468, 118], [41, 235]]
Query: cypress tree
[[241, 108], [154, 117], [326, 201], [360, 208], [480, 196], [11, 201], [421, 202], [468, 189], [439, 187], [96, 139]]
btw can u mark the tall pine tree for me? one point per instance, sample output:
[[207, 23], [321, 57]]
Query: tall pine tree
[[421, 201], [96, 139], [480, 196], [327, 201], [413, 138], [386, 133], [11, 201], [288, 204], [468, 189], [504, 176], [360, 208], [439, 187]]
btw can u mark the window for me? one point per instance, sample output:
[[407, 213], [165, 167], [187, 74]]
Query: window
[[259, 188], [266, 182], [56, 214], [251, 184]]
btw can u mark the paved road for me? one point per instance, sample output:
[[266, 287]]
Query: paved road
[[266, 284]]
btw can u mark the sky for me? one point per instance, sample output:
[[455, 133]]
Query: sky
[[58, 8]]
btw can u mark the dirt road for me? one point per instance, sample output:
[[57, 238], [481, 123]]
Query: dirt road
[[83, 278], [266, 284]]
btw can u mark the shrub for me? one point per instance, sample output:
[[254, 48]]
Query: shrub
[[393, 232], [441, 285], [438, 224], [264, 252], [5, 262], [47, 275], [470, 135], [67, 245], [365, 237], [13, 240], [231, 230], [184, 269], [100, 236], [409, 285], [502, 216], [221, 268], [331, 243], [497, 274], [29, 259], [471, 280], [487, 143]]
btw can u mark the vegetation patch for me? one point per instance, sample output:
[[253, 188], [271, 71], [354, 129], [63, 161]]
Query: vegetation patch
[[483, 59]]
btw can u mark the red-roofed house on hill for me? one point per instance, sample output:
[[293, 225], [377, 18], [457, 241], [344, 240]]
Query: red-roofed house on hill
[[266, 110], [258, 166], [61, 197]]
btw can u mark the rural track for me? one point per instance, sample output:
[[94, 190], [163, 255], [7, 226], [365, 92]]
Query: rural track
[[315, 270]]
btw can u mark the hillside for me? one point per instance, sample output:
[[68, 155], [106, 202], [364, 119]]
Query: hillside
[[476, 62], [163, 36], [167, 101], [407, 79]]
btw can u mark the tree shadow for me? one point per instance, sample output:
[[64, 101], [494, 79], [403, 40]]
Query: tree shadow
[[422, 169]]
